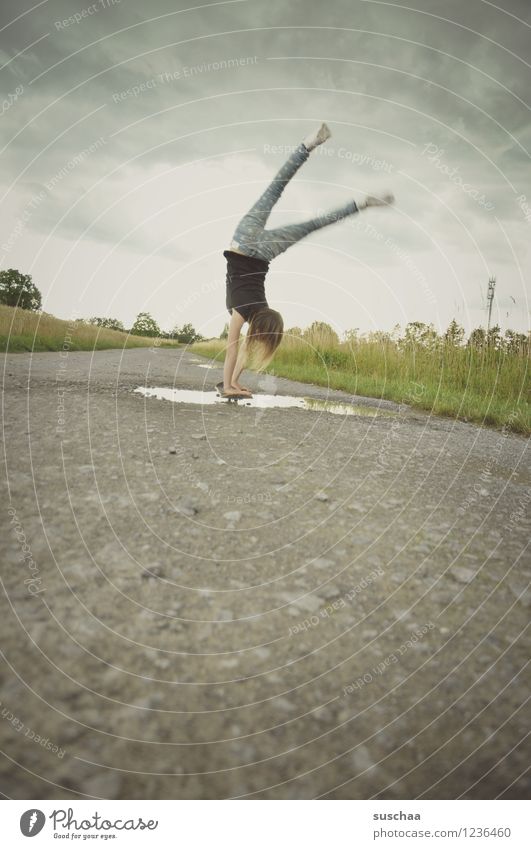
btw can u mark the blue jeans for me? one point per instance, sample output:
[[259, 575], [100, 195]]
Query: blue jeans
[[251, 237]]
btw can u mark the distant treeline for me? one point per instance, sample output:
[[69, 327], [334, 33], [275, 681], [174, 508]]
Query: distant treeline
[[145, 325]]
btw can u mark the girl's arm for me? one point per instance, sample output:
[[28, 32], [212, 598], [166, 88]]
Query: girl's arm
[[235, 326]]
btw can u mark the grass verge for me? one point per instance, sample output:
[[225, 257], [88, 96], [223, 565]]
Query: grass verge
[[23, 330], [488, 387]]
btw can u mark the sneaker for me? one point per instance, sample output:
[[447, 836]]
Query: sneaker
[[314, 139]]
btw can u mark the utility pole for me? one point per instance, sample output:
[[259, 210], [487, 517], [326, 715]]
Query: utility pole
[[490, 298]]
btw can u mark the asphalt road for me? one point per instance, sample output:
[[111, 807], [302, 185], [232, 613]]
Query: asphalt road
[[222, 601]]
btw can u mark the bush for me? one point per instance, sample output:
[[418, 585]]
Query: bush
[[335, 359]]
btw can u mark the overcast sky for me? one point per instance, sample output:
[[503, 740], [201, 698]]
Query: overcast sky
[[135, 136]]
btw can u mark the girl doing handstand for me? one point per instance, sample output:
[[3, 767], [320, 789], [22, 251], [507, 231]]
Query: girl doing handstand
[[251, 250]]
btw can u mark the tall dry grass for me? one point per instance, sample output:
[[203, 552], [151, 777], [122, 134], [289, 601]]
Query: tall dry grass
[[483, 385], [23, 330]]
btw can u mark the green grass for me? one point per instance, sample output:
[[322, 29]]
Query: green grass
[[22, 330], [488, 387]]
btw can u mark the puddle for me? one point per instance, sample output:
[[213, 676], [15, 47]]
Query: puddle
[[193, 396]]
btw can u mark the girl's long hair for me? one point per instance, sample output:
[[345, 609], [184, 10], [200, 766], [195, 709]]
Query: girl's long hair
[[263, 338]]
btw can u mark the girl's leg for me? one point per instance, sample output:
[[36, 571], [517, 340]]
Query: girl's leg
[[249, 230], [275, 242]]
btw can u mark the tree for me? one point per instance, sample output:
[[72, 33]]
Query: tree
[[145, 325], [494, 338], [352, 337], [225, 332], [477, 338], [293, 331], [418, 334], [17, 290], [187, 333], [515, 343], [454, 334], [109, 323]]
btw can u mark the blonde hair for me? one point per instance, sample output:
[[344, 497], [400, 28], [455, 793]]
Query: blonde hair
[[263, 338]]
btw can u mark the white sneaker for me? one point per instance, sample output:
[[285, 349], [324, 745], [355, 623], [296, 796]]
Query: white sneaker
[[314, 139], [379, 200]]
